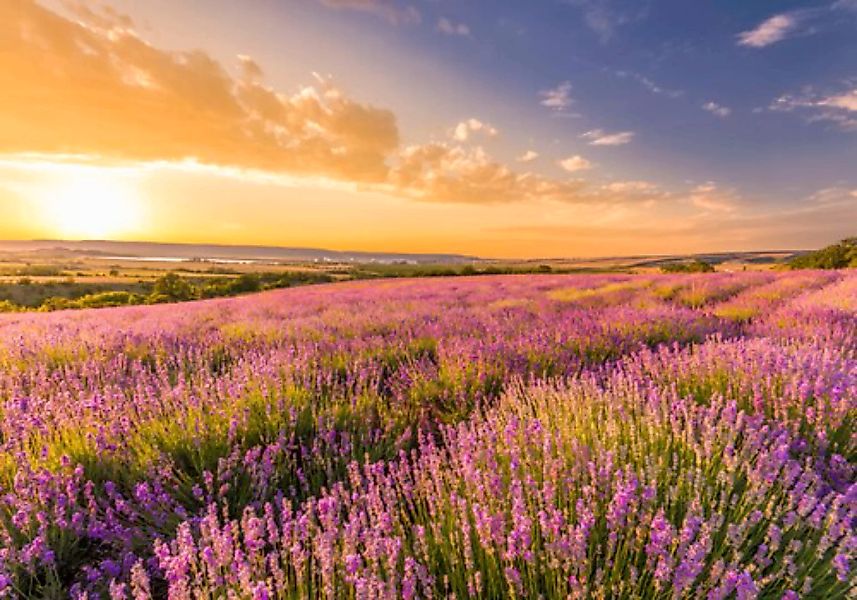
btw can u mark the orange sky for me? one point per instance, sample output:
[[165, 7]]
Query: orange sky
[[104, 134]]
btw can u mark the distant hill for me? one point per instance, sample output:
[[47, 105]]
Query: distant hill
[[56, 248]]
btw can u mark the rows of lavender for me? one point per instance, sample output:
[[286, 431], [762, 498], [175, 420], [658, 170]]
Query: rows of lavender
[[610, 436]]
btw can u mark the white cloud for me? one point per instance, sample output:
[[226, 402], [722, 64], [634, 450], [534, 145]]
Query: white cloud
[[710, 198], [575, 163], [769, 32], [448, 27], [838, 107], [717, 109], [528, 156], [597, 137], [463, 130], [638, 187], [558, 98], [836, 194], [649, 84]]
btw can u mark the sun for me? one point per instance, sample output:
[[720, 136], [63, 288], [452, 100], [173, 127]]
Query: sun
[[91, 206]]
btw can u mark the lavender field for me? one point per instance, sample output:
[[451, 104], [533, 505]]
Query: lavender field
[[597, 436]]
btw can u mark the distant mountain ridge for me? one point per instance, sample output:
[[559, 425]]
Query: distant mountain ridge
[[221, 251]]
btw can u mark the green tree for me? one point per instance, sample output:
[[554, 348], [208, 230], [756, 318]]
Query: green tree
[[172, 288], [836, 256]]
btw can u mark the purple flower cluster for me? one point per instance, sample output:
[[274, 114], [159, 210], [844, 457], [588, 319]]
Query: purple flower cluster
[[563, 436]]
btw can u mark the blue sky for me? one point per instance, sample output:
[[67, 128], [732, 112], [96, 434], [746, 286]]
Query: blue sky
[[649, 68]]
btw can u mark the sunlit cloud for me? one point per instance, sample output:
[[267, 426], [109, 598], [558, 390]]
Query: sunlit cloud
[[557, 98], [633, 186], [598, 137], [770, 31], [72, 94], [465, 129], [711, 198], [575, 163], [445, 173], [528, 156], [839, 108]]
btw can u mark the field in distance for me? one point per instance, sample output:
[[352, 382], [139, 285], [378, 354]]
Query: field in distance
[[52, 275]]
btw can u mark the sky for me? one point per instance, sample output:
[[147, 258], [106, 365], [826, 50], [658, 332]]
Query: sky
[[498, 128]]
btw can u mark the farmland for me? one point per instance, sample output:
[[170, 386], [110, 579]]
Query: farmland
[[584, 436]]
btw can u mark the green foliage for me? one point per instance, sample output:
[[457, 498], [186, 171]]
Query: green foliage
[[694, 266], [836, 256], [6, 306], [41, 271], [173, 288]]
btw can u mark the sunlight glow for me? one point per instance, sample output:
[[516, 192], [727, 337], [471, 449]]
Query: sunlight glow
[[91, 205]]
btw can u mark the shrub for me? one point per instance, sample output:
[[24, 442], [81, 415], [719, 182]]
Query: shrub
[[694, 266]]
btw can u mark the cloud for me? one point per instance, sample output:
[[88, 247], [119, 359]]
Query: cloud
[[597, 137], [717, 109], [558, 98], [837, 107], [448, 27], [96, 88], [712, 199], [770, 31], [845, 5], [649, 84], [638, 187], [93, 88], [385, 9], [836, 194], [603, 18], [528, 156], [464, 129], [575, 163], [845, 101], [443, 173]]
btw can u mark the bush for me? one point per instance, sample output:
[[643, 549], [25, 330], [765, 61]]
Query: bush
[[7, 307], [694, 266], [173, 288]]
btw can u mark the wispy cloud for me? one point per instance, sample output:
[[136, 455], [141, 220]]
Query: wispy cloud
[[710, 198], [838, 107], [769, 31], [528, 156], [448, 27], [633, 186], [845, 5], [558, 98], [649, 84], [463, 131], [604, 18], [389, 10], [575, 163], [717, 109], [597, 137]]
